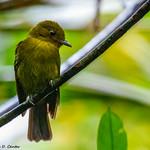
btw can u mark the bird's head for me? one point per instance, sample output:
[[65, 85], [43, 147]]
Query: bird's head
[[49, 31]]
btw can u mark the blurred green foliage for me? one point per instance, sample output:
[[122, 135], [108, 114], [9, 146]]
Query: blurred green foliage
[[77, 121]]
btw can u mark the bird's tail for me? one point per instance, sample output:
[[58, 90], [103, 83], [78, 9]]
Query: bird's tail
[[53, 102], [39, 126]]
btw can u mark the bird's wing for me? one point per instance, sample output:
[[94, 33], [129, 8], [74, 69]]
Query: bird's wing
[[54, 98], [20, 91]]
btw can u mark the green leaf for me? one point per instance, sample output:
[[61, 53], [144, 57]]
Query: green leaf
[[111, 134]]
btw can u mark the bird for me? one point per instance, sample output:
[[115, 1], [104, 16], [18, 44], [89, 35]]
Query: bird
[[37, 63]]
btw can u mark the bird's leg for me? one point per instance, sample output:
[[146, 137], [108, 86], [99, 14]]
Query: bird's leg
[[53, 82], [30, 100]]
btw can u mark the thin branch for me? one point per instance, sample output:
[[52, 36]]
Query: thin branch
[[124, 16], [11, 4], [96, 21], [75, 64], [9, 105]]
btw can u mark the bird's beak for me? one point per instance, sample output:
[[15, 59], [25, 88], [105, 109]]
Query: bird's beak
[[65, 43]]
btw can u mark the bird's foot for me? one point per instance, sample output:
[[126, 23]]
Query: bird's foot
[[30, 100], [53, 82]]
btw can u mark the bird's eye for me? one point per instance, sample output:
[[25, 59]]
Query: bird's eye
[[52, 32]]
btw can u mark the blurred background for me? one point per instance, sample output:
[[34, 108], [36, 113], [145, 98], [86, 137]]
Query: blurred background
[[119, 79]]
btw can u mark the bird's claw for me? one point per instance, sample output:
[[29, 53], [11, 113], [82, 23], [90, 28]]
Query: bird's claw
[[53, 82], [30, 100]]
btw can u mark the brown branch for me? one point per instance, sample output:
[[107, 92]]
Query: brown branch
[[96, 21], [11, 4], [95, 48]]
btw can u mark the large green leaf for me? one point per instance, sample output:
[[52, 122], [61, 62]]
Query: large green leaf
[[111, 134]]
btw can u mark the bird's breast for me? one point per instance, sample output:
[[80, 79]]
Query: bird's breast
[[40, 66]]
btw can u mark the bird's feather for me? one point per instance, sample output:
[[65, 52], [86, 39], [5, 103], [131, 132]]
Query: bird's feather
[[20, 91]]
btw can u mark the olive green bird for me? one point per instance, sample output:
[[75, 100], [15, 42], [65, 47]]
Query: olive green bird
[[37, 63]]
